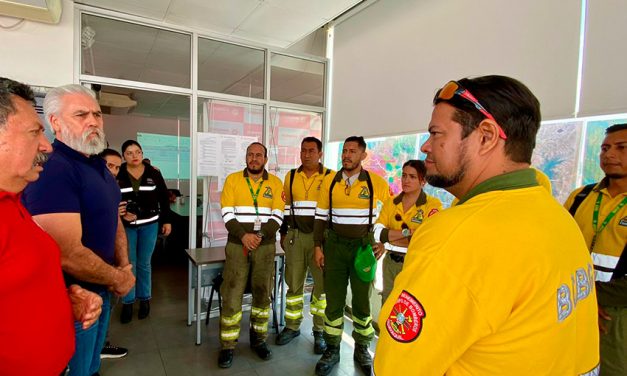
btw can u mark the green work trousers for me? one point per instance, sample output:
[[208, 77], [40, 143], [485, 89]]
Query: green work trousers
[[339, 269], [239, 265], [299, 247], [614, 343], [391, 269]]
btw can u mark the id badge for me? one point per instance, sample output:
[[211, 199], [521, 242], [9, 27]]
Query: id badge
[[257, 226]]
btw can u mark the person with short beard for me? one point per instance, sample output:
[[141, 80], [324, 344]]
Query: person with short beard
[[502, 282], [76, 202], [601, 213], [252, 203], [346, 211]]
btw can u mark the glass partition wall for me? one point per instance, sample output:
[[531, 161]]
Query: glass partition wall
[[166, 87]]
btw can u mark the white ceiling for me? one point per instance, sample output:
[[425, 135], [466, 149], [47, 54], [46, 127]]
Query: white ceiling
[[278, 23]]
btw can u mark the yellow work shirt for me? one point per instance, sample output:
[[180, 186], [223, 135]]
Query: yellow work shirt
[[393, 217], [501, 284], [300, 210], [610, 242], [238, 209], [350, 210]]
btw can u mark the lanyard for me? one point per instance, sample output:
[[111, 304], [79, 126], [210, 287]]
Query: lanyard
[[595, 218], [254, 195]]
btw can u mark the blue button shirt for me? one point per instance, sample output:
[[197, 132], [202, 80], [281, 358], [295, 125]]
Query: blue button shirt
[[74, 183]]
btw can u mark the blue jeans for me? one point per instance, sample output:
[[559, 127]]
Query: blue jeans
[[89, 342], [141, 244]]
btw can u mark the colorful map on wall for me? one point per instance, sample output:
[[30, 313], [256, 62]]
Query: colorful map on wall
[[595, 133], [557, 154]]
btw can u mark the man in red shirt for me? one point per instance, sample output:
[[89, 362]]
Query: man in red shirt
[[30, 264]]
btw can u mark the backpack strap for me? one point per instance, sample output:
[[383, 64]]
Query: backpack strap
[[580, 197], [621, 266], [338, 176], [293, 220]]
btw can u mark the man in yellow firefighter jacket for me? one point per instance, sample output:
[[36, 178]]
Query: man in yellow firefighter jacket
[[348, 205], [252, 209], [301, 187], [502, 282]]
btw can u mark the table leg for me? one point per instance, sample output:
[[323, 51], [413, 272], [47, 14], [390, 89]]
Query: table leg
[[198, 306], [190, 297]]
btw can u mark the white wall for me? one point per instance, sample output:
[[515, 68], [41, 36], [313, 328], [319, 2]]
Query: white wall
[[389, 59], [37, 53]]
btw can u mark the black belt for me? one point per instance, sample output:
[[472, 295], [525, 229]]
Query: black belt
[[397, 257]]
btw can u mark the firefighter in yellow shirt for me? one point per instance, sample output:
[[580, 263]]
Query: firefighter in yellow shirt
[[301, 187], [400, 217], [252, 210], [601, 212], [501, 283], [348, 204]]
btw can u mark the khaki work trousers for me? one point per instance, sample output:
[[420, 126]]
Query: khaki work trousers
[[391, 269], [299, 250], [614, 343], [238, 267]]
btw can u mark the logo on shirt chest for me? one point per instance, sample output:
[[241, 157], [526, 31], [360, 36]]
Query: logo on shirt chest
[[404, 323], [418, 217], [623, 221], [364, 193], [268, 193]]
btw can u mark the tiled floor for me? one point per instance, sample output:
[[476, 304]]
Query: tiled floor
[[163, 344]]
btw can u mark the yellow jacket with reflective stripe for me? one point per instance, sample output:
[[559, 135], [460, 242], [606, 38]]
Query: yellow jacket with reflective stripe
[[238, 210], [303, 206], [350, 211]]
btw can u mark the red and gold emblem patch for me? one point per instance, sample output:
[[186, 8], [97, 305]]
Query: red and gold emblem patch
[[405, 321]]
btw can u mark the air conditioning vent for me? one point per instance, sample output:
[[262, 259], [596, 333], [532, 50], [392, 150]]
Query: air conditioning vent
[[47, 11]]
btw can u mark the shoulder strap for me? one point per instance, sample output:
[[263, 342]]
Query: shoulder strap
[[621, 266], [580, 197], [292, 173], [339, 173], [369, 182]]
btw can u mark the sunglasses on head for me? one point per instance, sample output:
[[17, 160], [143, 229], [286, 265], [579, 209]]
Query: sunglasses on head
[[454, 88]]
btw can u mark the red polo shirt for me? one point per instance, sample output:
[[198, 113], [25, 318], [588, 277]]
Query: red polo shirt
[[36, 320]]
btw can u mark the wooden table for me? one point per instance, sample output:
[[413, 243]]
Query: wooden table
[[213, 259]]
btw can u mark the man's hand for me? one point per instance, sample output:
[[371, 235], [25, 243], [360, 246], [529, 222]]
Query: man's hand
[[319, 257], [379, 250], [603, 316], [251, 241], [166, 229], [124, 281], [86, 305]]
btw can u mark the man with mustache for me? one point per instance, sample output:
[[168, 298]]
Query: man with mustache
[[76, 202], [601, 213], [501, 283], [252, 203], [347, 208], [30, 265]]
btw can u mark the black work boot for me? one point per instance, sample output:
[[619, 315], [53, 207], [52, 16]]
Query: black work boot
[[363, 358], [320, 345], [225, 359], [127, 313], [286, 336], [262, 350], [144, 309], [330, 358]]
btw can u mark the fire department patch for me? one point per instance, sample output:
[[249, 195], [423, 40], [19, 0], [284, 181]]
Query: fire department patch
[[432, 212], [405, 321]]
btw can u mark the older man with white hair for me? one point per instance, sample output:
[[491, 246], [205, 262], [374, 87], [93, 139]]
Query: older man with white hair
[[76, 201]]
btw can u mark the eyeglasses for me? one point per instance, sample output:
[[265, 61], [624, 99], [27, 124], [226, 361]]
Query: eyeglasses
[[453, 87]]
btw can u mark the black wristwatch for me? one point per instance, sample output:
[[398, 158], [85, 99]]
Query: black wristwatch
[[406, 232], [261, 234]]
